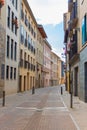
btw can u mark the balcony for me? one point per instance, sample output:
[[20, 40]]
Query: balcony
[[25, 42], [26, 21], [73, 54], [65, 37], [37, 67], [21, 62], [29, 65], [31, 48], [34, 50], [25, 64], [73, 50], [22, 39], [73, 16], [16, 23], [13, 21], [29, 26], [22, 15], [34, 68], [70, 5], [74, 22], [29, 45], [70, 34]]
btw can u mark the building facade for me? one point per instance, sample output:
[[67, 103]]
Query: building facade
[[77, 42], [28, 38], [83, 50], [10, 22], [72, 47], [47, 64], [66, 18], [2, 48], [25, 54], [54, 69], [41, 35]]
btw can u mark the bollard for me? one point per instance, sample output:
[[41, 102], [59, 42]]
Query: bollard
[[61, 90], [3, 102], [33, 90]]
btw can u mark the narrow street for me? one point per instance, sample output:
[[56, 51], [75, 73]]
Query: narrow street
[[45, 110]]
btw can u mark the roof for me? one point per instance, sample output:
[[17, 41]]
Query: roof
[[42, 31], [47, 43]]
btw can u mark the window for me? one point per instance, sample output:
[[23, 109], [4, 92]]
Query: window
[[26, 18], [29, 26], [26, 40], [16, 4], [15, 51], [29, 46], [14, 73], [16, 27], [8, 45], [7, 72], [84, 30], [11, 72], [8, 18], [11, 48], [12, 26], [22, 13], [21, 58], [13, 2], [22, 34], [21, 54], [2, 71]]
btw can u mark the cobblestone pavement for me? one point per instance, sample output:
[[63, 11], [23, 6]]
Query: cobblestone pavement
[[45, 110]]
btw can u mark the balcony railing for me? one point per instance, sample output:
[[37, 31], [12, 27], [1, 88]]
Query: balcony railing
[[33, 67], [29, 65], [22, 38], [73, 50], [25, 64], [16, 23], [74, 46], [73, 16], [29, 45], [26, 21], [70, 5], [31, 48], [26, 42], [34, 50], [22, 15], [21, 62]]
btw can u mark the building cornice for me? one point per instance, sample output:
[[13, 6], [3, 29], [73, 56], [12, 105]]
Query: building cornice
[[30, 11]]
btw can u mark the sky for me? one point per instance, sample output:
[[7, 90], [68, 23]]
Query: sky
[[49, 13]]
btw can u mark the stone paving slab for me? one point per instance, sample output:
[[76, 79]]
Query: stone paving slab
[[51, 122], [36, 112]]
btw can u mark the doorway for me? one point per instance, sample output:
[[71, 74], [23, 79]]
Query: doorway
[[85, 71], [76, 82], [24, 83], [20, 83]]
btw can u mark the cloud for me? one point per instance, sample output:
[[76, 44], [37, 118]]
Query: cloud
[[48, 11]]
